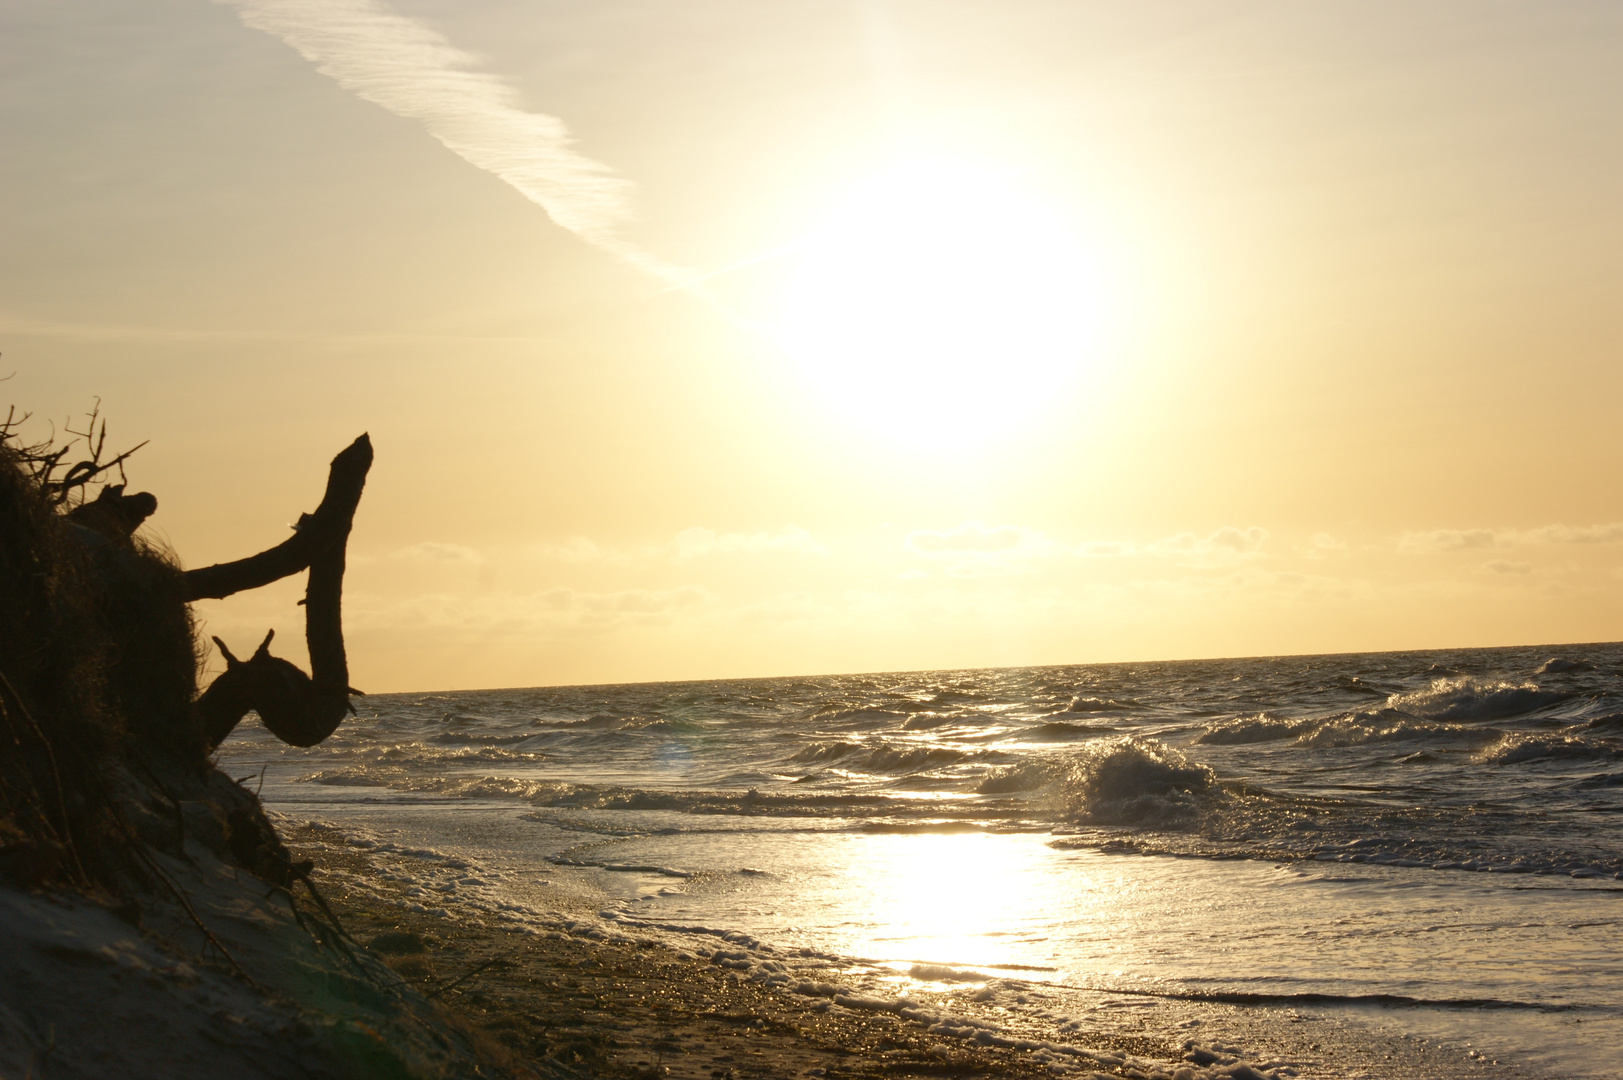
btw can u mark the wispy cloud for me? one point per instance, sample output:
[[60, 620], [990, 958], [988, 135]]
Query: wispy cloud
[[1449, 540], [975, 538], [1505, 566], [1225, 544], [413, 71], [692, 543], [1106, 549], [1609, 533], [546, 613], [430, 552], [1483, 539], [1323, 546], [974, 549], [688, 544]]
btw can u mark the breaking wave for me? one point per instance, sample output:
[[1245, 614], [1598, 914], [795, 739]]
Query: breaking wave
[[1134, 781], [1253, 729], [1349, 729], [1093, 704], [1381, 726], [881, 758], [1514, 749], [1470, 699], [1059, 730], [1556, 665]]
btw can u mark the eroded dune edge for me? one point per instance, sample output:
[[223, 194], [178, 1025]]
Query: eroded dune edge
[[151, 921]]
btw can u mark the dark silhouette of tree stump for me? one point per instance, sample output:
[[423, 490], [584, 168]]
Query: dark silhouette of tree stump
[[114, 514], [297, 708]]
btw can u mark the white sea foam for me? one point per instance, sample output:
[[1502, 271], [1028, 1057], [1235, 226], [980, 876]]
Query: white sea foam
[[1556, 665], [1133, 781], [1474, 699], [1253, 729], [884, 757], [1513, 749], [1381, 726]]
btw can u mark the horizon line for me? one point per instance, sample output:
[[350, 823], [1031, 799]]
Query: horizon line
[[1008, 667]]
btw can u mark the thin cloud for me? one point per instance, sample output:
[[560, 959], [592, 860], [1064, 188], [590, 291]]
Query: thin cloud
[[688, 544], [975, 538], [1482, 539], [547, 613], [1226, 543], [1609, 533], [1106, 549], [1504, 566], [975, 549], [1449, 540], [793, 540], [1322, 546], [430, 552], [413, 71]]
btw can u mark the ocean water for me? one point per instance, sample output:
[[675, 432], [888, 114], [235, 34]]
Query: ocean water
[[1422, 846]]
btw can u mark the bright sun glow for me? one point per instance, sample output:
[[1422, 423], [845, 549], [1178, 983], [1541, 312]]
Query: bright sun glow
[[964, 900], [940, 303]]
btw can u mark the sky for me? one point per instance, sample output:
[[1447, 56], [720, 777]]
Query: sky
[[723, 339]]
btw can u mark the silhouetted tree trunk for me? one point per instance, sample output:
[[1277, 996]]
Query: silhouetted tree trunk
[[314, 533], [299, 709]]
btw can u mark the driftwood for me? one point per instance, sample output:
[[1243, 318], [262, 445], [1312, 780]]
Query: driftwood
[[314, 533], [297, 708], [114, 514]]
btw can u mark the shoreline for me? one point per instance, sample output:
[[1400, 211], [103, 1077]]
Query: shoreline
[[628, 1007], [566, 988]]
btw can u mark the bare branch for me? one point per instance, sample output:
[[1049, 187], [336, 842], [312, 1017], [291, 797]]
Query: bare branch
[[43, 459], [316, 533]]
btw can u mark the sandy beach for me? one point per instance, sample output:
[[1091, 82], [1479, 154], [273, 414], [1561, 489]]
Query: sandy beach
[[612, 1008], [568, 994]]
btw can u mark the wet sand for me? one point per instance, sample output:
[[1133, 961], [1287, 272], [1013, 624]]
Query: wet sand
[[610, 1009], [563, 998]]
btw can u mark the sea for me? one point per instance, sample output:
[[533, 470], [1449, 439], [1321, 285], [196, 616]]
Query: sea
[[1267, 858]]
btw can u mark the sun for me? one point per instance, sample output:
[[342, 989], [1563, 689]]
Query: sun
[[940, 302]]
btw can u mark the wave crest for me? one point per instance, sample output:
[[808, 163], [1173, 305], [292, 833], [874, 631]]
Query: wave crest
[[1134, 781], [1468, 698], [1252, 729], [1364, 728], [1060, 730], [1029, 776], [1514, 749], [1084, 704], [881, 757], [1558, 664]]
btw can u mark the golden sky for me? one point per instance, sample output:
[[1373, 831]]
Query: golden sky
[[715, 338]]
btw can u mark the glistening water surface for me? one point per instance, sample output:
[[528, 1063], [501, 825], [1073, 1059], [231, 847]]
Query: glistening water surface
[[1427, 841]]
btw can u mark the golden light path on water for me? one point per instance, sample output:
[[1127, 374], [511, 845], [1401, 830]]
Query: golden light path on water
[[942, 301], [968, 899]]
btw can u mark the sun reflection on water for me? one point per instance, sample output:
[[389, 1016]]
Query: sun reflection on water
[[969, 900]]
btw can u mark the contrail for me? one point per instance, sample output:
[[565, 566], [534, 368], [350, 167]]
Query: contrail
[[413, 71]]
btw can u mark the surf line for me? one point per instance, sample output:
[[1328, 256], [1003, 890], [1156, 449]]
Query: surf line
[[1395, 1001]]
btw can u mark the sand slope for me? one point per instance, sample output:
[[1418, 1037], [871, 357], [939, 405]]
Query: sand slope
[[84, 993]]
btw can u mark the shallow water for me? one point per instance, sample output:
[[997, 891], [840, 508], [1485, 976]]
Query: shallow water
[[1424, 841]]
